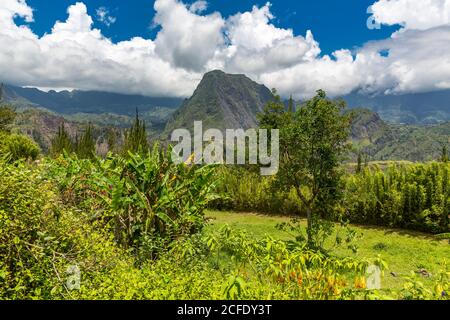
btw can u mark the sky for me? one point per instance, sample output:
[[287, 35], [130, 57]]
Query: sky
[[163, 47]]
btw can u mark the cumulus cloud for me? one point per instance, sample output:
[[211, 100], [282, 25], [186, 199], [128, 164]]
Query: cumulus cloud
[[190, 42], [257, 46], [412, 14], [104, 16], [198, 6], [75, 55], [186, 39]]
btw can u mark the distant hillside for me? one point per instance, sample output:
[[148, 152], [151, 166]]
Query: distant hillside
[[95, 102], [382, 141], [414, 108], [222, 101], [42, 126]]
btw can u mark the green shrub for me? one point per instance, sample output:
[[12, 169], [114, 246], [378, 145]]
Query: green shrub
[[19, 147], [42, 236], [7, 116], [402, 196], [146, 201]]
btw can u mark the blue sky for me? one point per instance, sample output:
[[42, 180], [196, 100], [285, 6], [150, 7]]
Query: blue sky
[[163, 47], [335, 24]]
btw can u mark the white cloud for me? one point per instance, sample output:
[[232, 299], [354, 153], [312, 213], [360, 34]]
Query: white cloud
[[104, 16], [189, 43], [198, 6], [186, 40], [412, 14], [257, 46], [74, 55]]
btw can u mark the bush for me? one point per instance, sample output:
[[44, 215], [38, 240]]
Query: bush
[[403, 196], [7, 116], [146, 201], [40, 239], [43, 237], [19, 147]]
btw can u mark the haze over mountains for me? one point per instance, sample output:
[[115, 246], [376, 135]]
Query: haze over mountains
[[240, 98], [400, 131], [71, 102]]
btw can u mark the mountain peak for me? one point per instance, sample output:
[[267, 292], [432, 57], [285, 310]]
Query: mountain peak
[[222, 101]]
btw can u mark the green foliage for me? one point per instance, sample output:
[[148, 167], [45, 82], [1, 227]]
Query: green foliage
[[444, 154], [7, 116], [246, 190], [112, 139], [62, 142], [274, 115], [313, 141], [136, 138], [359, 164], [85, 147], [147, 201], [16, 147], [47, 229], [413, 196]]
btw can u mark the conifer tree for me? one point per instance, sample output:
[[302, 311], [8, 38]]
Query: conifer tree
[[85, 147], [111, 139], [61, 142], [444, 154], [291, 105], [136, 137], [359, 165]]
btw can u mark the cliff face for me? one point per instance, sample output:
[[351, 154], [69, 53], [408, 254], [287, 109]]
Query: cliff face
[[222, 101]]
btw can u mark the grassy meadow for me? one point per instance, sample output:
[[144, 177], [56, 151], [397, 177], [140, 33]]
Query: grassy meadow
[[403, 250]]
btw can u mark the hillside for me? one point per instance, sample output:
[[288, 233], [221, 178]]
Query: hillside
[[413, 108], [222, 101], [383, 141], [42, 126], [76, 101]]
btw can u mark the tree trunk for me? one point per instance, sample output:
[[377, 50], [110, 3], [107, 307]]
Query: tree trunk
[[309, 227], [308, 217]]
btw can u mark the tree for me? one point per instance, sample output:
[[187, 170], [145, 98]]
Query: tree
[[313, 141], [136, 137], [444, 154], [85, 147], [291, 107], [7, 116], [111, 139], [274, 115], [61, 142], [359, 164]]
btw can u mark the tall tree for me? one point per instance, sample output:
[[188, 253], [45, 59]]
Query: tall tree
[[359, 164], [136, 137], [61, 142], [112, 139], [291, 106], [85, 147], [313, 141], [444, 154]]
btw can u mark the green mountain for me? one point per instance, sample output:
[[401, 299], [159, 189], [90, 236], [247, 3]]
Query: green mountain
[[411, 108], [380, 140], [95, 102], [222, 101], [100, 108]]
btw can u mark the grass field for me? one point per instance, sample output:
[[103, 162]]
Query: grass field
[[404, 251]]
